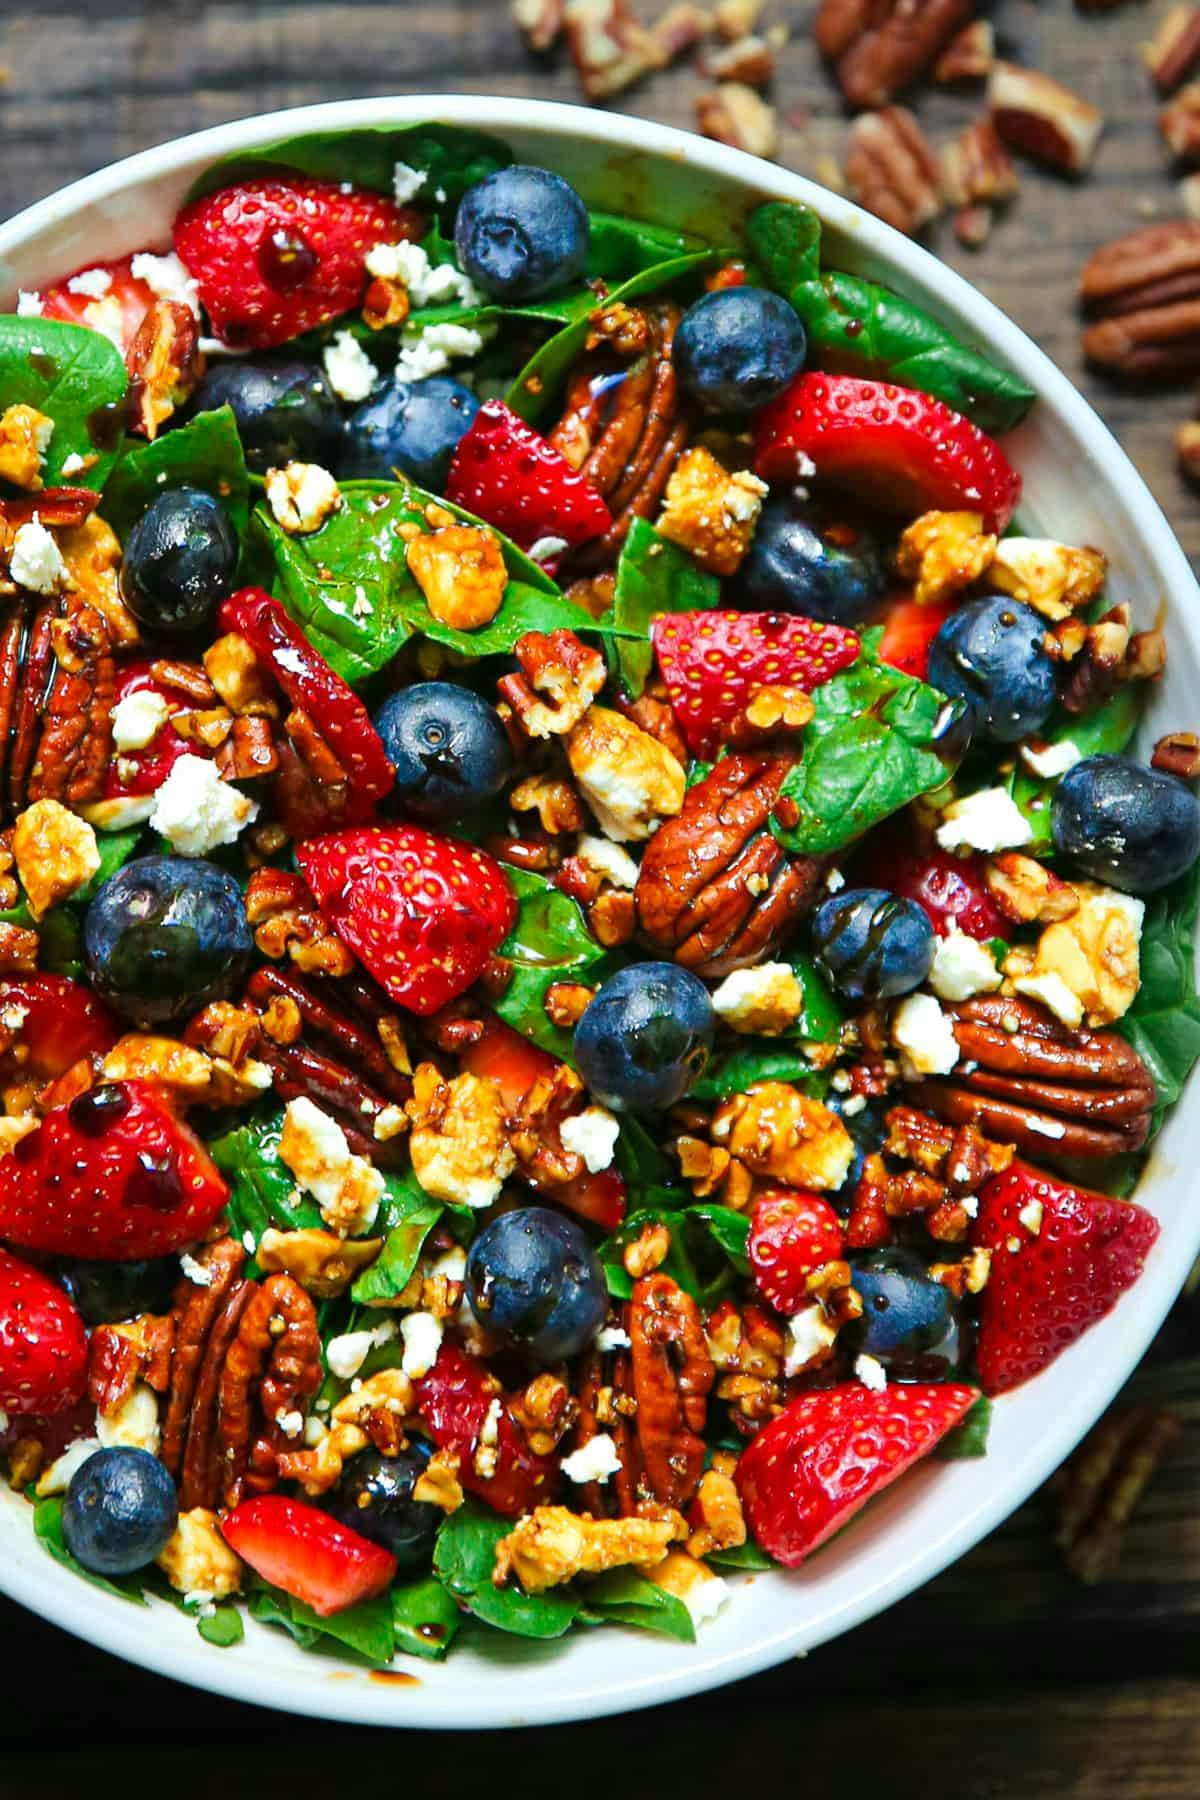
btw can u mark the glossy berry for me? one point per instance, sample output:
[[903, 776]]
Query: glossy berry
[[950, 889], [791, 1234], [806, 560], [105, 1292], [991, 654], [285, 411], [737, 348], [374, 1497], [119, 1512], [1128, 826], [645, 1038], [533, 1277], [509, 475], [180, 561], [909, 1322], [307, 1553], [521, 232], [871, 944], [449, 748], [410, 426], [166, 934], [43, 1345]]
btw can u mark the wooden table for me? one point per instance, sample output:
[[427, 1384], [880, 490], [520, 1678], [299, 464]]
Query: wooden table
[[1003, 1680]]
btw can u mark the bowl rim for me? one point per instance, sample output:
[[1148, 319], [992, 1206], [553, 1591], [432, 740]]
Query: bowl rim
[[114, 1626]]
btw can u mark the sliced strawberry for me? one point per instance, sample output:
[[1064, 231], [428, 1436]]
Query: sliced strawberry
[[114, 1176], [274, 259], [908, 632], [63, 1021], [310, 684], [136, 773], [1062, 1257], [506, 473], [812, 1468], [422, 913], [791, 1234], [117, 311], [457, 1398], [307, 1553], [43, 1345], [895, 447], [951, 889], [714, 662]]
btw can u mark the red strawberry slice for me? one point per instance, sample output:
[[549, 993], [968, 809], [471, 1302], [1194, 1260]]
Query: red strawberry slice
[[310, 684], [951, 889], [1061, 1259], [43, 1345], [117, 311], [714, 662], [307, 1553], [791, 1234], [506, 473], [457, 1401], [276, 258], [893, 446], [908, 632], [63, 1022], [114, 1176], [133, 774], [422, 913], [812, 1468]]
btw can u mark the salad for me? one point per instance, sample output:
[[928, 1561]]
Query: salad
[[586, 970]]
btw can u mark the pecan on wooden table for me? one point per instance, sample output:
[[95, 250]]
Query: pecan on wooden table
[[1141, 295], [880, 47], [892, 170]]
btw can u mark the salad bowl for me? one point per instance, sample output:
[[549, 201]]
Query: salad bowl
[[1078, 487]]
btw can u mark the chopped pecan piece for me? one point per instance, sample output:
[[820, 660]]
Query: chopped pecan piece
[[1026, 891], [735, 114], [976, 167], [680, 29], [783, 1135], [1038, 115], [969, 55], [1108, 656], [286, 921], [247, 752], [609, 48], [551, 1545], [1173, 52], [1179, 123], [750, 59], [943, 553], [880, 47], [892, 170], [1099, 1487], [165, 365], [1179, 754], [55, 854], [323, 1263], [460, 571], [560, 677], [539, 21]]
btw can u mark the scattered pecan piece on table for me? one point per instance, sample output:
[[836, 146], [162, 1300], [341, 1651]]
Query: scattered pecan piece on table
[[1039, 116], [1172, 54], [608, 46], [1141, 293], [891, 169], [735, 114], [1099, 1487], [880, 47], [969, 55], [1179, 123]]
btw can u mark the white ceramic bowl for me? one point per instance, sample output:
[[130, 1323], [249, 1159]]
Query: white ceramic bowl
[[1080, 486]]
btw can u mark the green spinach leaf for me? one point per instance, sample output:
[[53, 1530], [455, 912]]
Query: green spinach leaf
[[463, 1560], [207, 453], [76, 377], [365, 1630], [759, 1059], [1163, 1024], [623, 1597], [451, 157], [262, 1191], [708, 1245], [406, 1215], [1109, 728], [741, 1556], [970, 1438], [48, 1529], [224, 1628], [425, 1618], [653, 576], [619, 248], [115, 849], [549, 942]]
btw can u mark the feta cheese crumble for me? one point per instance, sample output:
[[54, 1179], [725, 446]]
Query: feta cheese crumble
[[924, 1035], [435, 348], [612, 1337], [597, 1460], [346, 1354], [607, 859], [167, 279], [137, 719], [406, 182], [349, 370], [196, 811], [95, 283], [346, 1187], [422, 1335], [29, 304], [763, 1001], [35, 561], [871, 1372], [1054, 994], [427, 284], [1053, 760], [593, 1135], [962, 968], [809, 1333], [988, 820], [198, 1273]]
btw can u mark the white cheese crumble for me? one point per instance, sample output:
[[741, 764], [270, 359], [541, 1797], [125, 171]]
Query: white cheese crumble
[[345, 1186], [764, 1001], [196, 811], [970, 1205], [591, 1134], [432, 351], [406, 182], [249, 1242], [3, 1420], [345, 1355], [422, 1335], [428, 284], [809, 1333], [871, 1372], [597, 1460], [349, 370], [35, 561], [925, 1037], [988, 820], [545, 549], [962, 967], [704, 1599], [58, 1477], [74, 464], [29, 304], [92, 282], [138, 718], [167, 279], [605, 858], [1031, 1216], [290, 1423], [1052, 761], [835, 880], [135, 1422], [198, 1273], [612, 1337], [1053, 993]]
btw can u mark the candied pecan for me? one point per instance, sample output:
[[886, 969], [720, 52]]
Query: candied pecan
[[655, 715], [76, 743], [552, 1544], [200, 1482], [960, 1156], [277, 1351], [554, 800], [541, 854], [33, 672], [164, 363], [612, 918], [1038, 115], [248, 751], [715, 1517], [560, 677], [533, 1127], [1179, 754], [195, 1310], [1109, 656], [648, 1250], [567, 1001], [286, 921], [1142, 294], [119, 1355], [880, 47], [892, 170], [545, 1412], [323, 1263], [716, 890], [1172, 53], [55, 507], [625, 327], [868, 1226], [1099, 1487], [672, 1376], [1026, 891]]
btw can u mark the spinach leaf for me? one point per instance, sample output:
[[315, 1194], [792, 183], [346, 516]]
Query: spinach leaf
[[623, 1597], [424, 1617], [407, 1215], [619, 248], [862, 327], [970, 1438], [653, 576], [822, 1017], [207, 453], [708, 1244], [115, 849], [1108, 728], [549, 942], [47, 1528], [869, 750], [224, 1628], [61, 946], [1163, 1024], [640, 1158], [262, 1191], [741, 1556], [463, 1560], [365, 1630], [452, 158], [72, 375], [759, 1059]]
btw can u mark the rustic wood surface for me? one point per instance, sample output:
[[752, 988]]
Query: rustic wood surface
[[1004, 1678]]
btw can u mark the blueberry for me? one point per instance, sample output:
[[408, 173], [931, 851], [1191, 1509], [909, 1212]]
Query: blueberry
[[738, 348], [413, 426], [521, 232], [108, 1291], [451, 752], [285, 411], [871, 944], [119, 1511], [533, 1277], [180, 561], [804, 560], [909, 1322], [645, 1038], [867, 1126], [166, 934], [1123, 824], [374, 1497], [991, 654]]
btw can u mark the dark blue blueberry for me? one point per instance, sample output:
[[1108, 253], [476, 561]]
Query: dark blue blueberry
[[871, 944], [107, 1291], [412, 426], [991, 653], [166, 934], [533, 1276], [180, 561], [119, 1511], [909, 1322], [285, 411], [521, 232], [738, 348], [374, 1497], [1131, 827], [867, 1126], [805, 560], [645, 1038], [451, 752]]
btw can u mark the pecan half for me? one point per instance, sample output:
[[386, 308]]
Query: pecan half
[[969, 55], [196, 1309], [880, 47], [672, 1374], [275, 1357], [76, 741], [1099, 1487], [1024, 1079], [892, 171], [1039, 116], [1142, 294], [164, 363], [716, 891]]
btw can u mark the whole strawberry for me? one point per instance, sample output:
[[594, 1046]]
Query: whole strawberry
[[508, 474], [275, 258], [43, 1346], [791, 1235], [422, 913], [114, 1176]]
